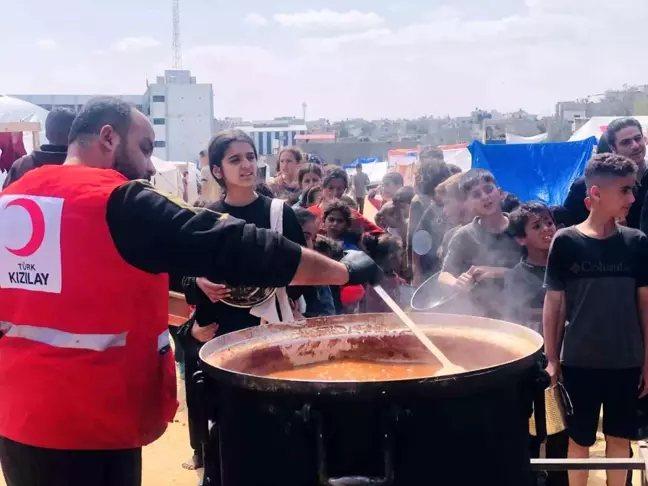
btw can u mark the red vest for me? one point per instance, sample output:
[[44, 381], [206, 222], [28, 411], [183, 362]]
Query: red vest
[[85, 361]]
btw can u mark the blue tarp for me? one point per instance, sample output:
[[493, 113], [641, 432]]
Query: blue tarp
[[534, 171]]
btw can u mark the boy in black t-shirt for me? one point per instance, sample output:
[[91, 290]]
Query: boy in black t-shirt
[[534, 228], [481, 252], [597, 281]]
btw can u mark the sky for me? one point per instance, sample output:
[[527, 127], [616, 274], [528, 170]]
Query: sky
[[344, 58]]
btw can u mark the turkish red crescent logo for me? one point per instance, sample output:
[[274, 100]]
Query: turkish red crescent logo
[[38, 227]]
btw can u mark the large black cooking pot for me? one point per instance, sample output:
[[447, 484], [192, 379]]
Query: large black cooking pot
[[465, 429]]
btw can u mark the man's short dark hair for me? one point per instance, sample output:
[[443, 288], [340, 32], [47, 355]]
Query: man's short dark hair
[[203, 153], [404, 196], [510, 202], [473, 178], [619, 124], [429, 175], [99, 112], [606, 166], [58, 124], [393, 177], [520, 217]]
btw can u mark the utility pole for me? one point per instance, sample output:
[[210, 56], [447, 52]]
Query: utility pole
[[177, 47]]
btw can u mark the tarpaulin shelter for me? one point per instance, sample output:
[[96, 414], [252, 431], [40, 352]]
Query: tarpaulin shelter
[[403, 160], [14, 110], [512, 139], [542, 171], [373, 167], [596, 126]]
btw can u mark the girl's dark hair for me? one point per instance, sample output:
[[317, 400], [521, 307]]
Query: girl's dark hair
[[604, 144], [337, 205], [381, 247], [326, 246], [264, 189], [219, 145], [311, 194], [307, 169], [336, 173], [304, 216]]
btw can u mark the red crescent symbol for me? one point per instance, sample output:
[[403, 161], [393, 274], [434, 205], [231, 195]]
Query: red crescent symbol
[[38, 227]]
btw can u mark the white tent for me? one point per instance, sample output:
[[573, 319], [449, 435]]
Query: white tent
[[598, 124], [169, 178], [15, 110], [517, 139]]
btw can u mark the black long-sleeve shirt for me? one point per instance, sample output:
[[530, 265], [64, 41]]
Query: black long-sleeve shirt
[[159, 234], [232, 318]]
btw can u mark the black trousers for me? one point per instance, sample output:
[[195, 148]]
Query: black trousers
[[360, 201], [24, 465]]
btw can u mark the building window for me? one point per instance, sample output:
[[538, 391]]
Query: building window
[[159, 144], [158, 99], [159, 121]]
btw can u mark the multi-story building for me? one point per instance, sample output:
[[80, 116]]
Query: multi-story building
[[181, 111], [271, 136]]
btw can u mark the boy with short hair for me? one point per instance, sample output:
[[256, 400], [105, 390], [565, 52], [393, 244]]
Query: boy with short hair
[[391, 183], [452, 198], [481, 251], [534, 227], [597, 280]]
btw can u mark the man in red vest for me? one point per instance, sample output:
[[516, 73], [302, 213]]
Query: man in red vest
[[87, 377]]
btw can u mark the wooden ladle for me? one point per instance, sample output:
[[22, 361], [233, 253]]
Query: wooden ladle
[[447, 366]]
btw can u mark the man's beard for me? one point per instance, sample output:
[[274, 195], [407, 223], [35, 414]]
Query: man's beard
[[125, 166]]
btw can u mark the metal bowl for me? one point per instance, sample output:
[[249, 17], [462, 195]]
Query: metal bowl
[[248, 297]]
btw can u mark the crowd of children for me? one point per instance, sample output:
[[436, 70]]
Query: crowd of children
[[584, 287]]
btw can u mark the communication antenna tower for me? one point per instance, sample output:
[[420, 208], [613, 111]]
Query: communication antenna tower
[[177, 47]]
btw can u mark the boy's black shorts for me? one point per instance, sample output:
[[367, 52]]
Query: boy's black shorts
[[616, 390]]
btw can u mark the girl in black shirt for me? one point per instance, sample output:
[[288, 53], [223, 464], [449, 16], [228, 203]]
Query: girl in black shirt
[[233, 162]]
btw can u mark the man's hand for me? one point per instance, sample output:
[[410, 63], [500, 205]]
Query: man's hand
[[361, 268], [204, 334], [213, 291], [486, 273], [466, 281], [553, 369]]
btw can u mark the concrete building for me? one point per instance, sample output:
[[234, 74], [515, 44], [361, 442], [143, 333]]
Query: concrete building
[[180, 109], [271, 136], [182, 113]]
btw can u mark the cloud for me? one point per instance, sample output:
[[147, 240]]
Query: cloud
[[135, 43], [326, 19], [255, 19], [445, 61], [48, 44]]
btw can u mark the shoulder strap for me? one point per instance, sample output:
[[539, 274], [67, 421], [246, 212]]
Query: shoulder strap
[[276, 215]]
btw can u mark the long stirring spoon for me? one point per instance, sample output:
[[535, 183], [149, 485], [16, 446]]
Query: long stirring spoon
[[447, 366]]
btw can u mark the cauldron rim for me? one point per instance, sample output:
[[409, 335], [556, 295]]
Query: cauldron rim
[[436, 384]]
